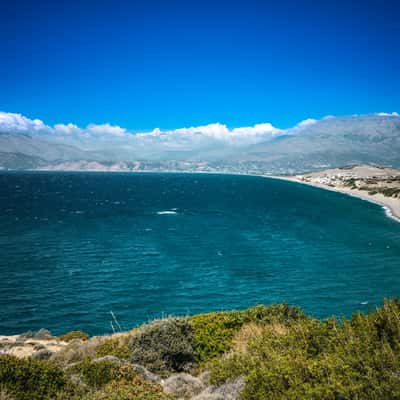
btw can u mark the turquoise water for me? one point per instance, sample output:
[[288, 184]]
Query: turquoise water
[[74, 246]]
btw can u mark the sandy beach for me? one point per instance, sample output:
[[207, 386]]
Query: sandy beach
[[337, 180]]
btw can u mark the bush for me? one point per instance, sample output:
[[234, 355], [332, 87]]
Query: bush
[[164, 346], [386, 321], [390, 192], [327, 360], [135, 389], [67, 337], [97, 373], [274, 313], [113, 347], [28, 379], [277, 351], [213, 332], [76, 350]]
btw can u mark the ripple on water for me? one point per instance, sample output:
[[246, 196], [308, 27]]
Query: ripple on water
[[223, 242]]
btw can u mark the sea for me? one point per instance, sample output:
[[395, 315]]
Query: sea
[[78, 249]]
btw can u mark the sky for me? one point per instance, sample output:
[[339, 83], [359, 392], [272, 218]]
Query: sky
[[172, 63]]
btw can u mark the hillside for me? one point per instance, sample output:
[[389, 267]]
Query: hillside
[[265, 352], [23, 151], [330, 143]]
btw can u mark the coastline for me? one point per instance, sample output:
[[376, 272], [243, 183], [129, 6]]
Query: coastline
[[390, 205]]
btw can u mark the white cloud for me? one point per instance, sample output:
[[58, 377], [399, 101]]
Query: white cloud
[[306, 122], [105, 136], [67, 129], [393, 114], [218, 132], [10, 122], [256, 130], [106, 129]]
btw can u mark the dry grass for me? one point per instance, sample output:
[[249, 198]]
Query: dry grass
[[251, 331], [4, 394], [78, 350], [123, 338]]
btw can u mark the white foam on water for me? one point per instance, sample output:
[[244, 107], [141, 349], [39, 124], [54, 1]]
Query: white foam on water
[[166, 212], [390, 214]]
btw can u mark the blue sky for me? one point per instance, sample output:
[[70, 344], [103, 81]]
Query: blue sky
[[169, 64]]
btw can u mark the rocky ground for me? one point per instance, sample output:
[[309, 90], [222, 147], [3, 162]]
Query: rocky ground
[[42, 345]]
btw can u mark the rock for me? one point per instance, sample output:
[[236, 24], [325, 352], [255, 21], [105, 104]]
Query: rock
[[43, 334], [109, 358], [146, 374], [183, 385], [43, 354], [76, 379], [228, 391], [208, 395], [26, 335], [17, 343], [205, 377]]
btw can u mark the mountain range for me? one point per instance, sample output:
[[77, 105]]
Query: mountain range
[[310, 145]]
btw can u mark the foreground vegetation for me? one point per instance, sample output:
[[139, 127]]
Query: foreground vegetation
[[278, 351]]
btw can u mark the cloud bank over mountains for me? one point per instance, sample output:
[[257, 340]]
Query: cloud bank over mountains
[[97, 136], [311, 144], [94, 135]]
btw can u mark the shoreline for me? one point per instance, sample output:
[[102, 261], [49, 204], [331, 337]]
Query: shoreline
[[391, 210]]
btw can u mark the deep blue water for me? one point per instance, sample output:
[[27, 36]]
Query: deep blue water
[[74, 246]]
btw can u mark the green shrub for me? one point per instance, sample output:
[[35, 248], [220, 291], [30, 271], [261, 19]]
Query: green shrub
[[67, 337], [327, 360], [274, 313], [28, 379], [97, 373], [135, 389], [281, 353], [213, 332], [164, 346], [113, 347], [386, 321], [390, 192]]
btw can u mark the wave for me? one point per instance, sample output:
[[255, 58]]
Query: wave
[[389, 213], [167, 212]]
